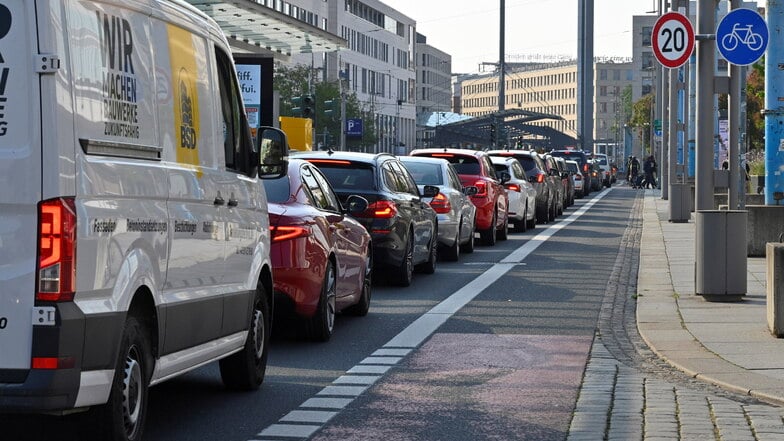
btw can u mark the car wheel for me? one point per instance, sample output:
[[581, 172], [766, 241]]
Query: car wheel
[[322, 324], [489, 235], [363, 306], [503, 233], [122, 417], [245, 370], [552, 212], [522, 225], [429, 267], [405, 272], [452, 253], [469, 246], [542, 215], [531, 224]]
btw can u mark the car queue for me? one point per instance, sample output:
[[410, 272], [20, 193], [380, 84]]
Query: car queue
[[342, 221]]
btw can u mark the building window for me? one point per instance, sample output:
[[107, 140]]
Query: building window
[[647, 31]]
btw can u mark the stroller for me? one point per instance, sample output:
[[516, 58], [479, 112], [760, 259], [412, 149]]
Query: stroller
[[636, 180]]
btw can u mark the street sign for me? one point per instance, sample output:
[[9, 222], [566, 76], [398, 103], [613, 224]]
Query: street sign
[[657, 127], [742, 37], [354, 127], [672, 39]]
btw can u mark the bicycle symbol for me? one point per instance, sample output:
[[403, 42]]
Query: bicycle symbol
[[742, 34]]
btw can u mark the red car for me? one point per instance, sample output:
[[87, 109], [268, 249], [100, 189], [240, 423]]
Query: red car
[[475, 169], [321, 257]]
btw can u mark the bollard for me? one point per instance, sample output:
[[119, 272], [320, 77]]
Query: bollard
[[774, 276]]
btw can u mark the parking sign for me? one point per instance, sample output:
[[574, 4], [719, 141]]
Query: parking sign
[[354, 127]]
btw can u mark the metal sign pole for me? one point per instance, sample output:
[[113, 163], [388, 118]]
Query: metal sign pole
[[733, 117], [706, 62]]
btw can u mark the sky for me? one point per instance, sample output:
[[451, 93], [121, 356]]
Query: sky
[[468, 29]]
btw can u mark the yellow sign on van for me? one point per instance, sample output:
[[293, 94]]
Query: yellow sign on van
[[184, 94]]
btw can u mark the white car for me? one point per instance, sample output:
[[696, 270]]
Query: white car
[[456, 213], [577, 178], [522, 195], [604, 165]]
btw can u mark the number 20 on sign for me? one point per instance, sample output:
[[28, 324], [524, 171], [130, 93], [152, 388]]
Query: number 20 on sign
[[672, 39]]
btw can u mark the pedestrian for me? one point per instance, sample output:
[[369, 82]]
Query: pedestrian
[[633, 167], [650, 172]]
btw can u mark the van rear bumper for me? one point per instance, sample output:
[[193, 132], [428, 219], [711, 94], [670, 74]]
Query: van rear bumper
[[42, 390]]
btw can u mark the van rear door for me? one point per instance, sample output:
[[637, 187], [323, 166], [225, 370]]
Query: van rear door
[[20, 184]]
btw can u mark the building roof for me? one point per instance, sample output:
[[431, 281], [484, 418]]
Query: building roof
[[251, 27]]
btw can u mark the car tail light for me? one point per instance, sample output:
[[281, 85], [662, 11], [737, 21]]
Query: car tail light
[[512, 187], [443, 155], [381, 209], [56, 250], [481, 186], [329, 161], [440, 204], [281, 233], [540, 178], [585, 167]]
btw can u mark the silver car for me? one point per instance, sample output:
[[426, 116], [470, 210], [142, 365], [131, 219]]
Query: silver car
[[456, 212]]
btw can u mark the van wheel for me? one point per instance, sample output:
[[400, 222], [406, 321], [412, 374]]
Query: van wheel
[[122, 417], [322, 324], [405, 272], [363, 306], [245, 370]]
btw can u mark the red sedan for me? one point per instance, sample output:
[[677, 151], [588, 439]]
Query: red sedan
[[321, 258]]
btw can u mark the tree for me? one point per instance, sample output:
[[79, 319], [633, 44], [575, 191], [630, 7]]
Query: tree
[[641, 119], [755, 102], [294, 81]]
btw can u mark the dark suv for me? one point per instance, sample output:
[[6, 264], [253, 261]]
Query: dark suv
[[474, 168], [538, 176], [583, 161], [403, 227]]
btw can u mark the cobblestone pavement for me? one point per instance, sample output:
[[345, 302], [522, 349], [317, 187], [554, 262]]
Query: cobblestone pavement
[[628, 393]]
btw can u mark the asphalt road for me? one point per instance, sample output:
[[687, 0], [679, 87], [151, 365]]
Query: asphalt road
[[505, 363]]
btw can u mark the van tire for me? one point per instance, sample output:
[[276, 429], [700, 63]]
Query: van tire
[[245, 370], [122, 418], [322, 324]]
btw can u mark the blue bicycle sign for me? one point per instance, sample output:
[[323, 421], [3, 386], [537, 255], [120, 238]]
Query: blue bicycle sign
[[742, 37]]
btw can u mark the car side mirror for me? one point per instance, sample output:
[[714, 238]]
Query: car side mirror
[[504, 177], [273, 153], [430, 191], [470, 190], [565, 175], [532, 179], [356, 204]]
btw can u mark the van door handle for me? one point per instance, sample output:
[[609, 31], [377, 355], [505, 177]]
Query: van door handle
[[233, 202], [219, 200]]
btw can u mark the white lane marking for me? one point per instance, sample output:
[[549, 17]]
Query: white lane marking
[[413, 335], [369, 369], [308, 416], [381, 360], [326, 403]]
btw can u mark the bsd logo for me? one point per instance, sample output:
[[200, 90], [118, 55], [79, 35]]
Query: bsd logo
[[5, 21]]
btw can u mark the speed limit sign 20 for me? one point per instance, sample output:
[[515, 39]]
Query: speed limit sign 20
[[672, 39]]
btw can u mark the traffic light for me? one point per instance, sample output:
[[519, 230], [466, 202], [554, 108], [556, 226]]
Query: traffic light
[[307, 106], [330, 108], [493, 127], [296, 106]]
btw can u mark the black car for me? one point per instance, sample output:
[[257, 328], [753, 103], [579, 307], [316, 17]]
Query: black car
[[586, 168], [403, 226], [538, 176]]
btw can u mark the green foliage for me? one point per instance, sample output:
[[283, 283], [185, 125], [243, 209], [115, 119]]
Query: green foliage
[[294, 81], [756, 160], [641, 119], [755, 102]]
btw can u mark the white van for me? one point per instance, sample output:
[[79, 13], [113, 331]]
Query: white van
[[134, 238]]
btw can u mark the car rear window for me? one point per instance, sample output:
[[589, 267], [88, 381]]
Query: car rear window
[[572, 167], [527, 162], [350, 178], [573, 156], [464, 165], [425, 174], [501, 168], [602, 160], [278, 190]]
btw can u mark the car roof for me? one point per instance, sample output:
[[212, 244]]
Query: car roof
[[502, 159], [423, 159], [512, 152], [465, 152], [349, 156]]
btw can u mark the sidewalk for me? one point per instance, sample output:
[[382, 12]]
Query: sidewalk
[[727, 344]]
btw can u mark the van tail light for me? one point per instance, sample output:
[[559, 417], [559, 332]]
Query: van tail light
[[56, 250], [512, 187], [440, 204], [381, 209], [50, 363], [481, 186], [281, 233]]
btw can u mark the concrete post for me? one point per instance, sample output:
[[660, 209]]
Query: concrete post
[[706, 66], [774, 276], [774, 104]]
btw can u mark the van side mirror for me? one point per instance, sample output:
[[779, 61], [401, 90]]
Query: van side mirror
[[273, 153], [430, 191], [356, 204]]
